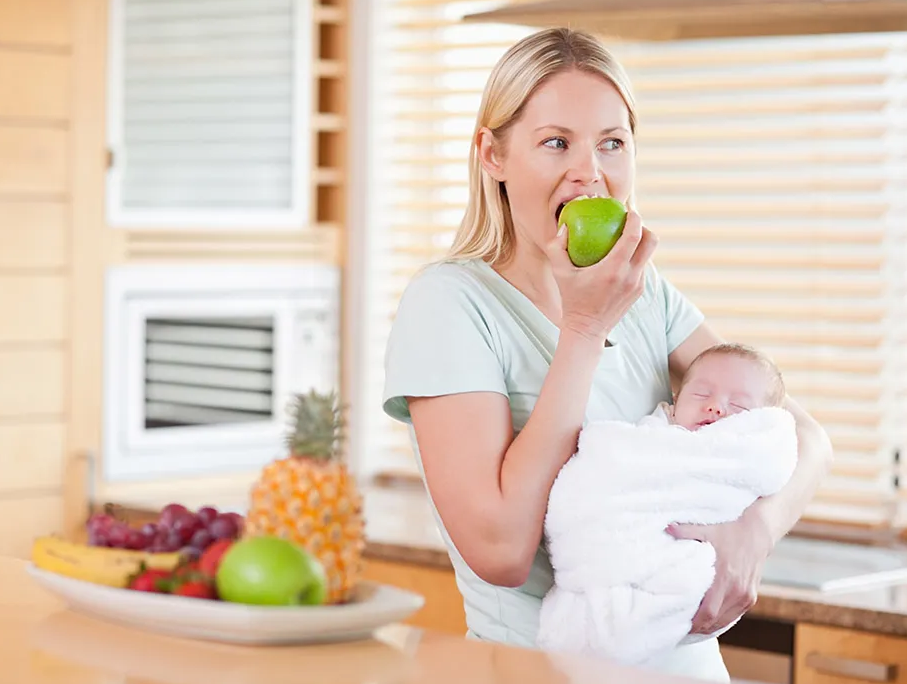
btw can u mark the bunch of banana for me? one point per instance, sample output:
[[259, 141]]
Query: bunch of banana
[[96, 564]]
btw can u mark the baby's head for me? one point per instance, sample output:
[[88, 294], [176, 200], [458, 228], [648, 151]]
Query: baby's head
[[724, 380]]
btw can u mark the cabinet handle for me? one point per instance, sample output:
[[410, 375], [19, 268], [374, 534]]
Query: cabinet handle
[[850, 667]]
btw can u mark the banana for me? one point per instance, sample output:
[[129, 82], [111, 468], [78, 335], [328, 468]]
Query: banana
[[96, 564]]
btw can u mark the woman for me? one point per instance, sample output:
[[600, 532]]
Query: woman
[[500, 353]]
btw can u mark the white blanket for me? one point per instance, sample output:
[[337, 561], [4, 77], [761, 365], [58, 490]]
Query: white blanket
[[623, 587]]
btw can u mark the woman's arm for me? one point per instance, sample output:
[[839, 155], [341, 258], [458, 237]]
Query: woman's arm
[[742, 546], [491, 490]]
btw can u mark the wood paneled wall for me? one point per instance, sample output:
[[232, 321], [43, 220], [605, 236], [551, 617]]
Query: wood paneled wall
[[35, 259], [55, 244]]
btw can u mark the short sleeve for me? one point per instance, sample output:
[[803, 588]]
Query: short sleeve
[[440, 343], [682, 317]]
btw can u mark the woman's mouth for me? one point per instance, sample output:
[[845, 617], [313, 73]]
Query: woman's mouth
[[560, 207]]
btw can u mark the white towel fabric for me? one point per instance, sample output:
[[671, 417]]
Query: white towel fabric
[[623, 587]]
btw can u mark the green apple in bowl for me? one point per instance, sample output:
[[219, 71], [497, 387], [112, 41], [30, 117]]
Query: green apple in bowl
[[594, 225], [270, 571]]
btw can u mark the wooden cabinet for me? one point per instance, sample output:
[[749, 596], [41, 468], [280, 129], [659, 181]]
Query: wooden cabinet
[[443, 609], [834, 655]]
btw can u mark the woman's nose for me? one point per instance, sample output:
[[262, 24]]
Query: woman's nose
[[585, 167]]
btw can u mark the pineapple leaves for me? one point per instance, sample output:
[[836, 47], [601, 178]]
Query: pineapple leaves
[[317, 425]]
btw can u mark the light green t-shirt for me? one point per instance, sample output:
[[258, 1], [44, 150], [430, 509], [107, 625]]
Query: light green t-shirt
[[461, 327]]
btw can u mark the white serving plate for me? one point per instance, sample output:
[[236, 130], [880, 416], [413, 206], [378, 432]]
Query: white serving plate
[[374, 606]]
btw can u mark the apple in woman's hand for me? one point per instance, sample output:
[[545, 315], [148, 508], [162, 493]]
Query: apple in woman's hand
[[594, 224]]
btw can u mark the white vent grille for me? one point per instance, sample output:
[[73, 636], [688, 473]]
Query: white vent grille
[[208, 371], [208, 112], [202, 360]]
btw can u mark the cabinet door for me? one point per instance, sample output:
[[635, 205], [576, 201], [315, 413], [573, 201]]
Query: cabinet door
[[833, 655]]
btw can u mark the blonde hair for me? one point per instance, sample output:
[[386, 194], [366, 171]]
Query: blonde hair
[[486, 231], [777, 390]]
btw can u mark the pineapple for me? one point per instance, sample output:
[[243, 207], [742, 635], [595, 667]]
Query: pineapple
[[310, 497]]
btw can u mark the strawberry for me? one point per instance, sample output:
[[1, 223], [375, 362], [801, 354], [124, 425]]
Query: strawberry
[[150, 580], [196, 589], [210, 558], [186, 570]]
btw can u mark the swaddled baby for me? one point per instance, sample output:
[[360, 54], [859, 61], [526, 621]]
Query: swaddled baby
[[623, 587]]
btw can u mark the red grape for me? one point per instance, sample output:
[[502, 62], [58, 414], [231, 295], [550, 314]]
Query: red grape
[[238, 520], [116, 535], [98, 538], [186, 524], [206, 514], [223, 527], [173, 541], [135, 540], [191, 552], [99, 521], [159, 542], [149, 530], [201, 539], [170, 513]]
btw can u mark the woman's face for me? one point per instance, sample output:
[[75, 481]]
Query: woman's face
[[572, 139]]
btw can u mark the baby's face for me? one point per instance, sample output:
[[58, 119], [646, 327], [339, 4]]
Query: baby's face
[[720, 385]]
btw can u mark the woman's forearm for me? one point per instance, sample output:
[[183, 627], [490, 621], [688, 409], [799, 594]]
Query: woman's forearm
[[548, 439], [779, 512]]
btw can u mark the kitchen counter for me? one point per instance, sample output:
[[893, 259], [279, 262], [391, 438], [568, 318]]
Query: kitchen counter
[[400, 529], [42, 642]]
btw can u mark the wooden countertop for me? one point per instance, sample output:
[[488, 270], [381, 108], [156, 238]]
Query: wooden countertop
[[400, 528], [42, 642], [878, 609]]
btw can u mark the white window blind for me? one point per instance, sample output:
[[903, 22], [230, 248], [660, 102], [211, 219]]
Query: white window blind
[[774, 171], [209, 108]]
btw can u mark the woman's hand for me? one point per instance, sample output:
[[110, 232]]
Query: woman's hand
[[594, 298], [741, 549]]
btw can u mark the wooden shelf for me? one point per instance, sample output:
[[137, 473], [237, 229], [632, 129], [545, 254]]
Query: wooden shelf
[[324, 14], [329, 122], [659, 20], [329, 68], [328, 176]]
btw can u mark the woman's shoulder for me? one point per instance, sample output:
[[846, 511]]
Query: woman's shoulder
[[456, 273], [445, 286]]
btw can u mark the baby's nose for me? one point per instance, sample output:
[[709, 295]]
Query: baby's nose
[[716, 409]]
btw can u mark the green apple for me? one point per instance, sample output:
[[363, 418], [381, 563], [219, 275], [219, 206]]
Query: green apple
[[269, 571], [594, 225]]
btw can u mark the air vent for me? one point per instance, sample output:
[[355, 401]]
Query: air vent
[[208, 371]]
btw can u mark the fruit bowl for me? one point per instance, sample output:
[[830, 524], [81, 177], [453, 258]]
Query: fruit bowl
[[374, 605]]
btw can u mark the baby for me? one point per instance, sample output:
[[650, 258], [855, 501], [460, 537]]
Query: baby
[[623, 587], [722, 381]]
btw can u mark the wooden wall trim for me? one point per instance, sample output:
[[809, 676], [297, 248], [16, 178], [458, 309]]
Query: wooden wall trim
[[89, 253]]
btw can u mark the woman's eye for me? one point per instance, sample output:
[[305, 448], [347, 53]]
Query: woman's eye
[[555, 143], [613, 144]]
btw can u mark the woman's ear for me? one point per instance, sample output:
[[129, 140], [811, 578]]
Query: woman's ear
[[489, 154]]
